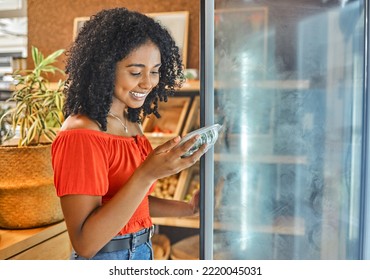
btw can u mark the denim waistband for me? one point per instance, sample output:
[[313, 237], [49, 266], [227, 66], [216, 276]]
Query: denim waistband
[[128, 241]]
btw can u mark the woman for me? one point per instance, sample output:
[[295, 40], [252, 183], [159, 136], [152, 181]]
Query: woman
[[121, 65]]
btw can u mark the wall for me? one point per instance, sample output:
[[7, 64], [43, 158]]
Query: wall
[[50, 22], [15, 13]]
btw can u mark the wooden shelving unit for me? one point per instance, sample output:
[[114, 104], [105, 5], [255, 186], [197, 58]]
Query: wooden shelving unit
[[43, 243], [177, 222], [160, 130]]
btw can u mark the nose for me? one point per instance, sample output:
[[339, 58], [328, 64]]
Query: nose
[[146, 82]]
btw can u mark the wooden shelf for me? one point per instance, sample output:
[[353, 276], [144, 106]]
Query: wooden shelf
[[158, 131], [43, 243], [191, 222], [193, 119], [190, 85]]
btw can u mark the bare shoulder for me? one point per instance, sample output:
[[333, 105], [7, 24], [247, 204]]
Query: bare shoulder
[[79, 122]]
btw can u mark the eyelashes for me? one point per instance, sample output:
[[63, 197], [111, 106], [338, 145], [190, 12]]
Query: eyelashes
[[139, 74]]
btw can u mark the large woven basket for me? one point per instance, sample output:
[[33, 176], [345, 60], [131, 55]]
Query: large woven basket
[[161, 247], [27, 194]]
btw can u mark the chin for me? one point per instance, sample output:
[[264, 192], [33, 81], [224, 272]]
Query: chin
[[135, 105]]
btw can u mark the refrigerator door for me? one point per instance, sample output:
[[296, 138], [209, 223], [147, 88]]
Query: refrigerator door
[[287, 169]]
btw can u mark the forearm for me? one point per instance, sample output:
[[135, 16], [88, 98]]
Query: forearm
[[169, 208], [105, 221]]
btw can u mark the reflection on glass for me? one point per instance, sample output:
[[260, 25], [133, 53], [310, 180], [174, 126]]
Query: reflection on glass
[[288, 90]]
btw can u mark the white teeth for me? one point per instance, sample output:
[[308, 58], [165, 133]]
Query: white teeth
[[138, 94]]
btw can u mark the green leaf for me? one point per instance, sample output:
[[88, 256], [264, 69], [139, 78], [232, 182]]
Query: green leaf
[[35, 58], [50, 134], [32, 132], [37, 107], [58, 101], [52, 57]]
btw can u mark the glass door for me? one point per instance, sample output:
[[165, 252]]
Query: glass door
[[286, 80]]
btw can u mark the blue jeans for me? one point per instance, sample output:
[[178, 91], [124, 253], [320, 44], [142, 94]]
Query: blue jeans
[[141, 252]]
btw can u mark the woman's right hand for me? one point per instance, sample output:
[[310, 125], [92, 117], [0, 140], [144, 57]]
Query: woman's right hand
[[165, 160]]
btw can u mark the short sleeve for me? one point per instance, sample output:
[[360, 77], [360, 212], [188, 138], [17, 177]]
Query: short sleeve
[[80, 163]]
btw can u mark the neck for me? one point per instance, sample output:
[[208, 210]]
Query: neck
[[124, 125]]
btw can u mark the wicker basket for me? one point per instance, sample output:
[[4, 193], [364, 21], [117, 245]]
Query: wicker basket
[[186, 249], [161, 247], [27, 194]]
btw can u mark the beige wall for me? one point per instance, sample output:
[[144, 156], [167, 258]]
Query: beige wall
[[50, 22]]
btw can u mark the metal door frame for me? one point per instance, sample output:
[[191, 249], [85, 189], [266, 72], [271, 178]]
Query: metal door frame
[[207, 117]]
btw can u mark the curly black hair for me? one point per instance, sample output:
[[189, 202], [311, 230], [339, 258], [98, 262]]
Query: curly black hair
[[105, 39]]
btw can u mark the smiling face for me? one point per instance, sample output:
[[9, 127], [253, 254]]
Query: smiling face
[[136, 75]]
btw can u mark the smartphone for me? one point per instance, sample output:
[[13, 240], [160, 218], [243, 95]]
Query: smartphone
[[208, 135]]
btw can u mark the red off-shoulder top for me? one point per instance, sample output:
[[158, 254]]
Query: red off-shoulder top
[[96, 163]]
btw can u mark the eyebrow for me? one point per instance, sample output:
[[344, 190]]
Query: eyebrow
[[142, 65]]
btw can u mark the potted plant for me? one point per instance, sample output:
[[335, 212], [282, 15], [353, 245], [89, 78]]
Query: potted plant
[[27, 193], [3, 126]]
